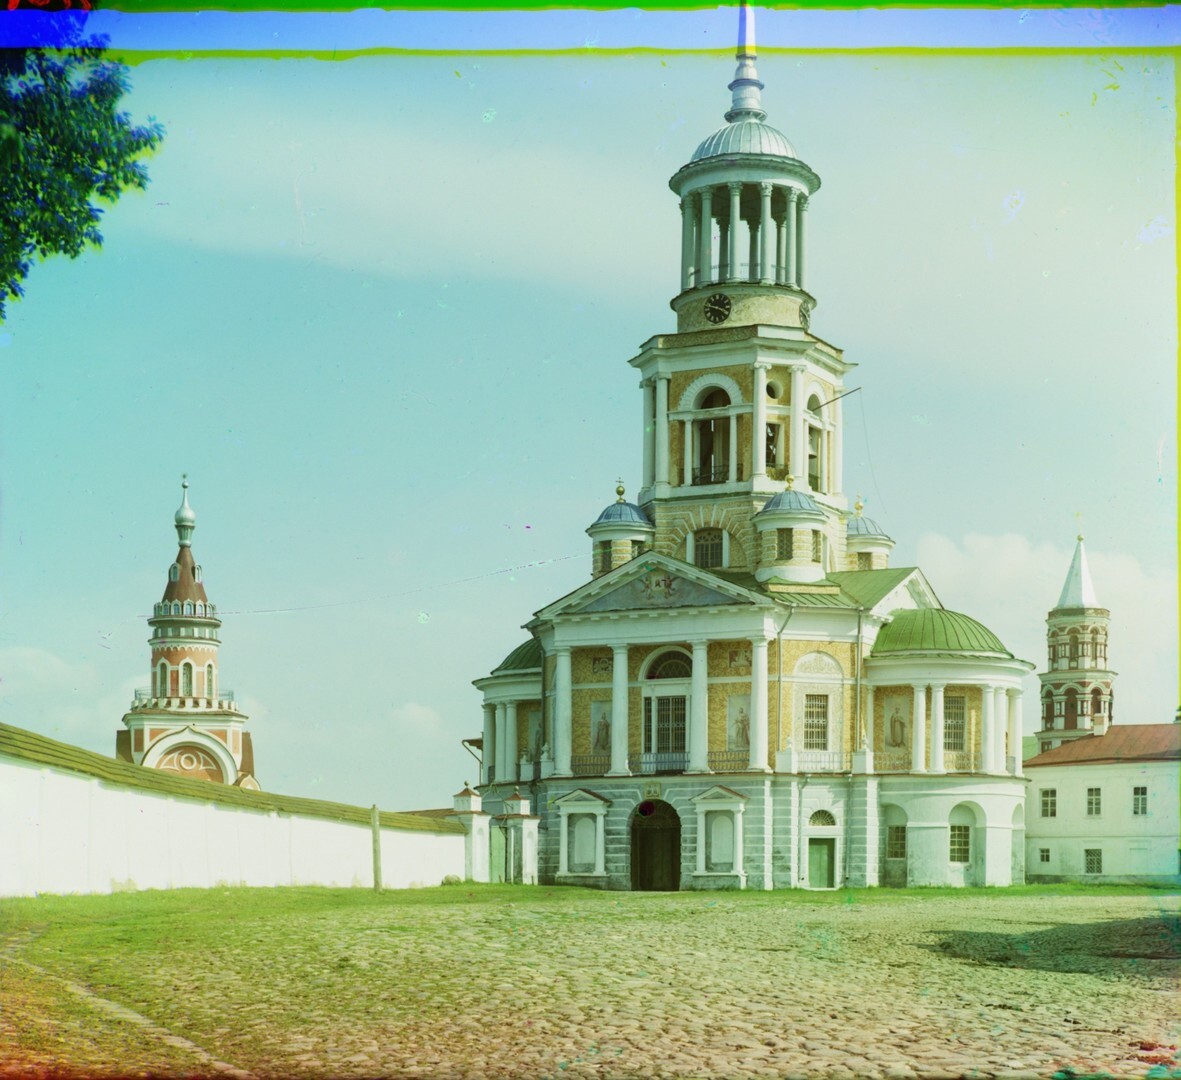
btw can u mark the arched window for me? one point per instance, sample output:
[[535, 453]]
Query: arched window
[[186, 680], [200, 608], [1048, 708], [188, 607], [822, 817], [162, 679], [711, 437], [709, 548], [665, 708], [175, 607], [1096, 702], [210, 691], [174, 572], [1071, 709], [1074, 648]]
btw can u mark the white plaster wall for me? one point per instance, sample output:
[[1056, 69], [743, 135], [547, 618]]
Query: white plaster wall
[[65, 833]]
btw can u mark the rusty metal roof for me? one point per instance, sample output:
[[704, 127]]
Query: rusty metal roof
[[1122, 742]]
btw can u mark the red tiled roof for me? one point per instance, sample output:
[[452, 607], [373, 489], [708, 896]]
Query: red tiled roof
[[1122, 742], [187, 587]]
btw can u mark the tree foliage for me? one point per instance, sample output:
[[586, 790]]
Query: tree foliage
[[64, 144]]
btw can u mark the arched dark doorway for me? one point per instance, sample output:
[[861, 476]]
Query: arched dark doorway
[[656, 847]]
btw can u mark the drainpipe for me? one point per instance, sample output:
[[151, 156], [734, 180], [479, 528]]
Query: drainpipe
[[860, 737], [860, 643], [791, 610], [800, 831]]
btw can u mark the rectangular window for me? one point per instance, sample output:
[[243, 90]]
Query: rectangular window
[[1139, 801], [1049, 802], [953, 722], [1093, 861], [864, 560], [602, 556], [895, 841], [1094, 801], [772, 444], [817, 545], [664, 733], [1043, 854], [961, 843], [815, 721], [707, 548], [783, 544]]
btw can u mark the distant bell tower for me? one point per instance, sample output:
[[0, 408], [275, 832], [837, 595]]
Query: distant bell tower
[[183, 722], [742, 423], [1076, 688]]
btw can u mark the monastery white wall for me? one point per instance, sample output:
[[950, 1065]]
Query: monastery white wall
[[61, 832]]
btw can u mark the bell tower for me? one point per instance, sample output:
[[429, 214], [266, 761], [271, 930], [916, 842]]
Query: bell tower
[[183, 721], [744, 397], [1076, 694]]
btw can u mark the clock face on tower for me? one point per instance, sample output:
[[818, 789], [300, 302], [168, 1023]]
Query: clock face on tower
[[717, 308]]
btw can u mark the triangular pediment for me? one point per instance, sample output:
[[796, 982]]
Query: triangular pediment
[[719, 793], [652, 582]]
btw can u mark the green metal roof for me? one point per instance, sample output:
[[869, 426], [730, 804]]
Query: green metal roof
[[936, 630], [867, 587], [39, 750], [525, 657]]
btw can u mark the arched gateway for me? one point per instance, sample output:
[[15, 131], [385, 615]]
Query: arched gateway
[[655, 847]]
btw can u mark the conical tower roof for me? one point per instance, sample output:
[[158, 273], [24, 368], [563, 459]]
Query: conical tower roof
[[1077, 590]]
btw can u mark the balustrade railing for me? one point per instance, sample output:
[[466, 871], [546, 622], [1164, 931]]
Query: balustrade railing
[[661, 763], [712, 474], [590, 764], [892, 761], [729, 760], [824, 761]]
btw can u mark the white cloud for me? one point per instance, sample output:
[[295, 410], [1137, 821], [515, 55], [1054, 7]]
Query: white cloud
[[1009, 584]]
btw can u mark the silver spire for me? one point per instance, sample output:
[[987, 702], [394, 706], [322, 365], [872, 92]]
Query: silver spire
[[185, 519], [746, 103]]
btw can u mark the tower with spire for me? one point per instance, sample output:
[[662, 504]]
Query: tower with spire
[[183, 721], [746, 694], [1076, 691]]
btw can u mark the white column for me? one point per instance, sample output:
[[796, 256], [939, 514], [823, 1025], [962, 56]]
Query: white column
[[1000, 716], [688, 256], [803, 206], [600, 844], [767, 227], [732, 234], [562, 713], [781, 251], [723, 249], [759, 457], [563, 844], [836, 435], [662, 434], [511, 765], [869, 732], [649, 432], [705, 238], [700, 839], [501, 767], [488, 753], [919, 733], [799, 428], [987, 732], [758, 704], [732, 473], [790, 225], [937, 727], [1016, 729], [699, 710], [822, 463], [752, 273], [619, 718], [687, 456]]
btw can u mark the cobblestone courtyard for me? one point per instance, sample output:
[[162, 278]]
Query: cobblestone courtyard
[[634, 985]]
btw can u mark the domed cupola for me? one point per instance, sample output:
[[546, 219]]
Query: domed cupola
[[620, 533], [791, 537], [867, 545], [743, 196]]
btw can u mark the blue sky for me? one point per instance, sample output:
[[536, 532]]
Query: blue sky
[[380, 310]]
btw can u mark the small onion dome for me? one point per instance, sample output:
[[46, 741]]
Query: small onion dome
[[934, 630], [525, 657], [186, 518], [794, 505]]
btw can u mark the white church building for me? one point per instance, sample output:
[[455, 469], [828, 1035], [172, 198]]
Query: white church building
[[746, 693]]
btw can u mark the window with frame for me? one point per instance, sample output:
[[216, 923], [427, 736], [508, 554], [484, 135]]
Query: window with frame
[[1049, 800], [1093, 861], [954, 725], [895, 841], [602, 556], [817, 545], [1043, 854], [784, 549], [664, 725], [960, 843], [1139, 801], [707, 548], [186, 680], [1094, 801], [864, 560], [815, 721]]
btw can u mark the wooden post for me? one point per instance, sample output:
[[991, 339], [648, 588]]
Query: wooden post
[[375, 825]]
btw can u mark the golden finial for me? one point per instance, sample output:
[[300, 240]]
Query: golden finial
[[858, 506], [790, 481], [619, 490]]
